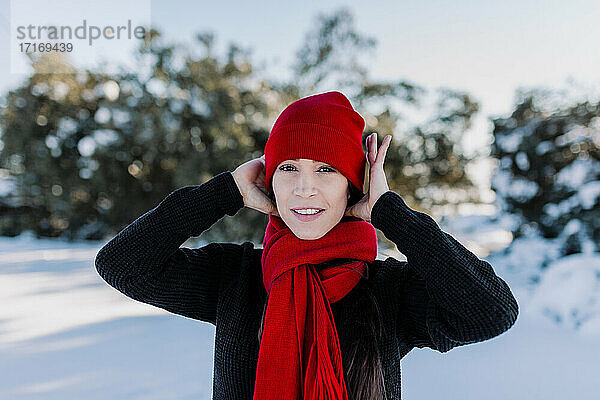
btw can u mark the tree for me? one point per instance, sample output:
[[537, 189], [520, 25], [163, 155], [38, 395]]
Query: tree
[[92, 151], [548, 174]]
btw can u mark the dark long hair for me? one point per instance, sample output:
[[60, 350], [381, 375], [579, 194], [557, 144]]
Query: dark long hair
[[361, 361]]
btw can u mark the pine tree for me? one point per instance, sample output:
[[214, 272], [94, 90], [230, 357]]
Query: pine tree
[[548, 174]]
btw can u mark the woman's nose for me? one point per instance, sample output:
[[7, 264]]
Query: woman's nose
[[304, 185]]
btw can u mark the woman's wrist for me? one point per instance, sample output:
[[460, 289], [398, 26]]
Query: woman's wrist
[[237, 182]]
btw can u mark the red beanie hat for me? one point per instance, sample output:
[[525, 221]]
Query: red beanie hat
[[322, 127]]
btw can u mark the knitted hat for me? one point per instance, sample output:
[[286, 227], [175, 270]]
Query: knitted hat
[[322, 127]]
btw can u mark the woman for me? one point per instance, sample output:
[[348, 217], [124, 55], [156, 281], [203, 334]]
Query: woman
[[312, 314]]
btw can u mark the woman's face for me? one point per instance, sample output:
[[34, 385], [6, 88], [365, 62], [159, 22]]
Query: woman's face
[[305, 184]]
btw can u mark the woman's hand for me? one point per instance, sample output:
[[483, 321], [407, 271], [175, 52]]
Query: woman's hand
[[250, 179], [377, 181]]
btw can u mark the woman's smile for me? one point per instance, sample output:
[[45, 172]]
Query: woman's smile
[[310, 216]]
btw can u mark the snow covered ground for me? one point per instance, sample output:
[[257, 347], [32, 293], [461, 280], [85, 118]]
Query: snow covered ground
[[66, 334]]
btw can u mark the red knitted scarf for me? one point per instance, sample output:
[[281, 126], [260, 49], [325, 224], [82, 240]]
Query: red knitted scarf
[[299, 356]]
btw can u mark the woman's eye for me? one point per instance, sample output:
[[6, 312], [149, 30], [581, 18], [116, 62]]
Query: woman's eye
[[323, 168]]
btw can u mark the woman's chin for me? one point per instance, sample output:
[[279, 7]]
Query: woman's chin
[[308, 237], [308, 234], [312, 230]]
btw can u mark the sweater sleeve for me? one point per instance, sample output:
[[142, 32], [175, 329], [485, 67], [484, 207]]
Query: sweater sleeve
[[145, 262], [449, 296]]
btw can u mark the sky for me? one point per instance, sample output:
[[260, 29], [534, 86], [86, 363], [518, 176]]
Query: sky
[[486, 48]]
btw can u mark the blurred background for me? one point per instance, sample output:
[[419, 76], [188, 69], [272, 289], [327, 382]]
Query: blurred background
[[495, 112]]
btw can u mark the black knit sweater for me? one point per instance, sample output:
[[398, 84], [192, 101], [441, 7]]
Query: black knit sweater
[[443, 296]]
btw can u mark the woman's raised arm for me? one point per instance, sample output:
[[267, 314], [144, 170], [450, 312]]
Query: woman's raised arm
[[447, 296], [145, 262]]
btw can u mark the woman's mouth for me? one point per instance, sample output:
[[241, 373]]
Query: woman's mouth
[[307, 217]]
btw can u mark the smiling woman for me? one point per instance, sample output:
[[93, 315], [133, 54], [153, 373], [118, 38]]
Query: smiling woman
[[329, 182], [313, 311], [313, 156], [305, 185]]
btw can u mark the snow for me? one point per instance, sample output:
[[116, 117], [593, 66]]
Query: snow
[[104, 137], [522, 161], [102, 115], [543, 147], [66, 127], [7, 185], [511, 141], [588, 194], [578, 172], [577, 278], [66, 334], [579, 176], [518, 188]]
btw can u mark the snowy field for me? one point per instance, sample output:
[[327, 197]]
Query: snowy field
[[66, 334]]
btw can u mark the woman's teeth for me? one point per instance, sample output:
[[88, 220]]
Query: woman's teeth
[[307, 211]]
